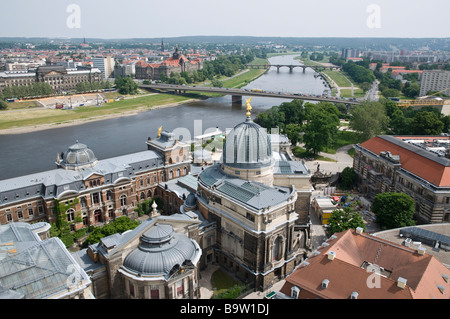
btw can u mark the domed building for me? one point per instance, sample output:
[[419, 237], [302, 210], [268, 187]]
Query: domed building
[[164, 262], [259, 201], [77, 157]]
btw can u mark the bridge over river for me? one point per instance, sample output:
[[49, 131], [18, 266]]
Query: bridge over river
[[236, 94], [292, 66]]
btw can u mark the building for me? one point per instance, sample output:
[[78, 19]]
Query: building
[[58, 77], [97, 190], [323, 207], [177, 63], [159, 259], [355, 265], [34, 266], [259, 205], [414, 165], [350, 53], [435, 80], [105, 65]]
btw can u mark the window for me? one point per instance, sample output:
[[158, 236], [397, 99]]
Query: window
[[154, 292], [131, 289], [180, 288], [9, 217], [83, 201], [70, 215], [40, 210], [95, 198], [294, 292], [123, 200], [108, 195], [30, 212], [19, 214]]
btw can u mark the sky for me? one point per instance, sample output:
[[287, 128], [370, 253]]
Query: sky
[[113, 19]]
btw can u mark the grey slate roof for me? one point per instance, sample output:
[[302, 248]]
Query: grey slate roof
[[54, 182], [254, 194]]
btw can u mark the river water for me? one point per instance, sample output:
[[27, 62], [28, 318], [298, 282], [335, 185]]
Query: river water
[[22, 154]]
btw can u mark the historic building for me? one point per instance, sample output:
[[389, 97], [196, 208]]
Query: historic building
[[414, 165], [97, 190], [248, 212], [356, 265], [61, 79], [159, 259], [177, 63], [259, 204]]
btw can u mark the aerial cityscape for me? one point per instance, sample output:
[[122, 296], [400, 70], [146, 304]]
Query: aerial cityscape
[[227, 157]]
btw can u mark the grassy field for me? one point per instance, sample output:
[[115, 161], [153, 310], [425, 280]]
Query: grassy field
[[221, 281], [338, 77], [34, 117], [356, 93]]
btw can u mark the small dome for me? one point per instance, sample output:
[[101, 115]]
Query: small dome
[[247, 146], [191, 201], [78, 156], [160, 252]]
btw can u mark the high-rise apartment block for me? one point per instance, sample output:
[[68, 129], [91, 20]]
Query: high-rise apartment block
[[435, 80]]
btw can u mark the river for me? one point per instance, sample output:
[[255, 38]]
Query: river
[[28, 153]]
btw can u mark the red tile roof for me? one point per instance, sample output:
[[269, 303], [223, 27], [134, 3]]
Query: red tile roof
[[415, 162], [346, 274]]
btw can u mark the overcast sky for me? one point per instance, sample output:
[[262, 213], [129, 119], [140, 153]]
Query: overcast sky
[[171, 18]]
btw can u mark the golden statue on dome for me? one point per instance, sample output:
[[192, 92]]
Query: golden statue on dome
[[249, 107], [159, 131]]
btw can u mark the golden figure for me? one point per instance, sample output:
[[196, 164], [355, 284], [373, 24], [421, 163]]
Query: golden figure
[[159, 131], [249, 107]]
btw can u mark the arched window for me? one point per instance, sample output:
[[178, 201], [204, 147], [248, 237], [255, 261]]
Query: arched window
[[108, 195], [70, 215], [142, 196], [123, 200], [277, 249], [83, 201], [170, 175], [178, 172], [184, 171], [149, 194]]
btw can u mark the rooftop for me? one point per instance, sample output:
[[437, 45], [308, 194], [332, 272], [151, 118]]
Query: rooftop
[[348, 261], [416, 156]]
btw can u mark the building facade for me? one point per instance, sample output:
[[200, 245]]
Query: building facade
[[105, 65], [58, 77], [414, 165], [177, 63], [435, 80], [97, 191]]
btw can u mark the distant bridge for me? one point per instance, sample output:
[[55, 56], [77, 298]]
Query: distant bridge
[[236, 94], [292, 66]]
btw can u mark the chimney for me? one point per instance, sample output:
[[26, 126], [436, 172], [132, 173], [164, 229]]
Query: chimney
[[421, 250], [331, 255], [325, 283], [401, 282]]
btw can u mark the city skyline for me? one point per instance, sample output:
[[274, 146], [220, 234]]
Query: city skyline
[[145, 19]]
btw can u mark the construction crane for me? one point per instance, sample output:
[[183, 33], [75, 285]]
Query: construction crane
[[423, 100]]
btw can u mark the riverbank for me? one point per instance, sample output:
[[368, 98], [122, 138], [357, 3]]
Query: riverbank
[[79, 121]]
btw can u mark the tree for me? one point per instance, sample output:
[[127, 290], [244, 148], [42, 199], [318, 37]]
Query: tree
[[321, 127], [393, 210], [369, 119], [348, 178], [293, 133], [426, 123], [126, 85], [343, 219], [3, 105]]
